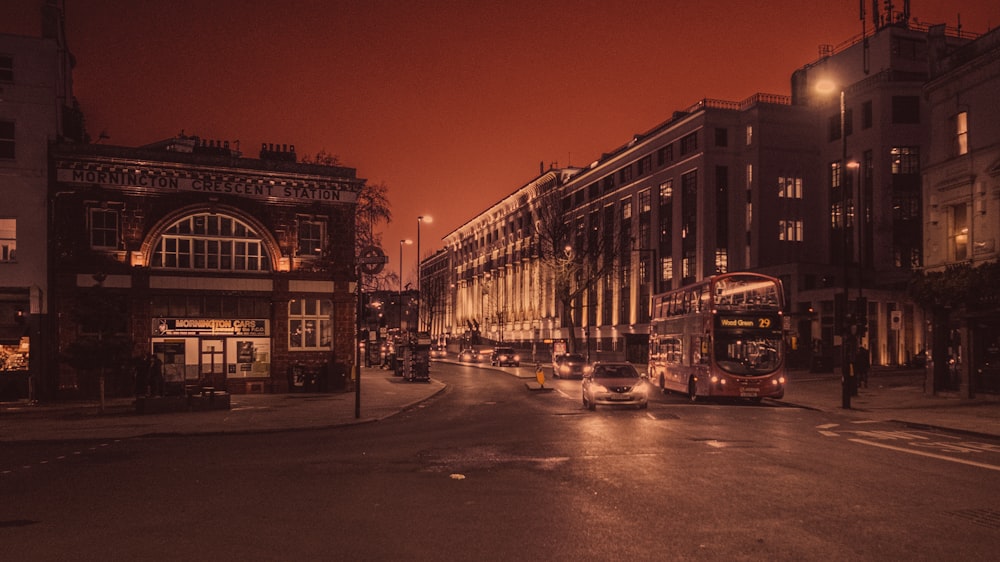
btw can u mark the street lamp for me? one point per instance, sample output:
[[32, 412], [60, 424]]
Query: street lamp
[[420, 295], [400, 300], [848, 343]]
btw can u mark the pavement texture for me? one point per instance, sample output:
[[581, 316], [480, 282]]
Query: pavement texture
[[892, 395]]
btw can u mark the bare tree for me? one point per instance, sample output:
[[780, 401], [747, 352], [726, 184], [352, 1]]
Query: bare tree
[[573, 253], [373, 209]]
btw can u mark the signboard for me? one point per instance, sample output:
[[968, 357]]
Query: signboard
[[248, 187], [210, 326], [759, 323]]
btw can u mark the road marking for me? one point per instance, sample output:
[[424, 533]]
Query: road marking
[[829, 433], [827, 425], [926, 454]]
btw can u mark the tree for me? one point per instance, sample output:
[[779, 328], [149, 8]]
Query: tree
[[372, 210], [574, 255]]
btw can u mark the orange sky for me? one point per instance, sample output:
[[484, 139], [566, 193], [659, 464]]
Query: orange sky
[[452, 103]]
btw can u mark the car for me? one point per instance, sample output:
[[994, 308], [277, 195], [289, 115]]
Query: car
[[468, 355], [505, 356], [614, 383], [569, 365], [439, 352]]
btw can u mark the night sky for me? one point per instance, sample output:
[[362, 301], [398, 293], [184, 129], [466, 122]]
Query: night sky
[[453, 104]]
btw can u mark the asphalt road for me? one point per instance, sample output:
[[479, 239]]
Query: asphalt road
[[489, 470]]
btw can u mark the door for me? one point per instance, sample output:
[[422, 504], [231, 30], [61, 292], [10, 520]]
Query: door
[[213, 363]]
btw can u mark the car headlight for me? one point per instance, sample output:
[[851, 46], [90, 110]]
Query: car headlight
[[599, 388]]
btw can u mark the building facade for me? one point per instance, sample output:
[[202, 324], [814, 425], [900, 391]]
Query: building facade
[[237, 273], [36, 108], [822, 190], [961, 195]]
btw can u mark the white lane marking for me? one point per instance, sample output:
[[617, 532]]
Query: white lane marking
[[926, 454], [827, 425], [830, 433]]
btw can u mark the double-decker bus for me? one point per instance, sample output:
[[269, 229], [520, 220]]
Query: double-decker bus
[[721, 337]]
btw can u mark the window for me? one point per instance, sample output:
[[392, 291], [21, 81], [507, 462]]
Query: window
[[721, 260], [625, 175], [905, 159], [835, 174], [212, 242], [309, 325], [905, 109], [644, 165], [790, 230], [608, 183], [666, 192], [8, 240], [667, 270], [961, 133], [749, 177], [721, 137], [626, 210], [958, 234], [311, 237], [645, 204], [749, 135], [6, 139], [836, 215], [6, 68], [867, 115], [665, 154], [689, 144], [104, 229], [790, 187]]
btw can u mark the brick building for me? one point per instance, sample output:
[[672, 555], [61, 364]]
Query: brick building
[[235, 272]]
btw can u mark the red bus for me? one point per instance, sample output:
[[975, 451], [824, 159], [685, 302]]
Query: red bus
[[721, 337]]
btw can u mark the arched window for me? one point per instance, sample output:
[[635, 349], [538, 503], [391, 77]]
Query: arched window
[[211, 242]]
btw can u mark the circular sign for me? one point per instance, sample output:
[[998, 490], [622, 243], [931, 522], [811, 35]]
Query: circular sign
[[372, 261]]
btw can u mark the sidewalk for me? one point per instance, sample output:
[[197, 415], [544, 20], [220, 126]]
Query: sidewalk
[[382, 395], [896, 395], [892, 395]]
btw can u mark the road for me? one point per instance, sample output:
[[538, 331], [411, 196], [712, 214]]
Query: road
[[489, 470]]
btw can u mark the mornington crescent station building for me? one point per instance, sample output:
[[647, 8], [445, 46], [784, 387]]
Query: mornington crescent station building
[[234, 272]]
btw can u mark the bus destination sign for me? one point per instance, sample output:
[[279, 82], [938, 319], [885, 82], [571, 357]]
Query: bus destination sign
[[759, 322]]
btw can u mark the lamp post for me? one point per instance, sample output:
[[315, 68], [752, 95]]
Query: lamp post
[[847, 336], [847, 384], [400, 299], [420, 294]]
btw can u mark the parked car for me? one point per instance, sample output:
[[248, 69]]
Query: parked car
[[569, 365], [613, 383], [439, 352], [469, 355], [505, 357]]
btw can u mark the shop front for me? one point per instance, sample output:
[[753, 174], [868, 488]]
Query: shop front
[[224, 353]]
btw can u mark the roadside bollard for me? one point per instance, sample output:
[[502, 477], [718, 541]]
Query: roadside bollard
[[540, 375]]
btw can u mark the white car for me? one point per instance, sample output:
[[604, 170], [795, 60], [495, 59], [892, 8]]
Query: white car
[[613, 383]]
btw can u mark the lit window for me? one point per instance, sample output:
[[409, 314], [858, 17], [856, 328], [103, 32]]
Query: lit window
[[962, 133], [959, 232], [721, 260], [905, 159], [836, 171], [666, 192], [790, 187], [309, 325], [667, 269], [8, 240], [104, 229], [790, 230], [749, 135], [212, 242]]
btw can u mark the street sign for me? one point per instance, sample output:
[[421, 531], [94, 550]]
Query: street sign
[[372, 261]]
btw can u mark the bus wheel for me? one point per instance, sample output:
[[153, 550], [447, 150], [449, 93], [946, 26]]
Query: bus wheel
[[692, 390]]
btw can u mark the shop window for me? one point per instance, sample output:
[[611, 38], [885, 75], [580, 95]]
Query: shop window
[[309, 324]]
